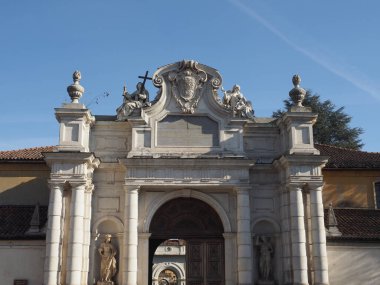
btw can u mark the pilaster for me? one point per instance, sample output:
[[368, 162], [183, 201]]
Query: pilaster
[[86, 231], [143, 249], [229, 264], [244, 236], [285, 236]]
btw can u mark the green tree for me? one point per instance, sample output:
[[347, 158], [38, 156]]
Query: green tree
[[332, 126]]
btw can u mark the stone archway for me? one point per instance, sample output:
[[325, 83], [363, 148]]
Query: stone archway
[[198, 223]]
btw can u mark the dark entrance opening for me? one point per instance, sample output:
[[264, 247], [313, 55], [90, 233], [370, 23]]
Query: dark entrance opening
[[197, 223]]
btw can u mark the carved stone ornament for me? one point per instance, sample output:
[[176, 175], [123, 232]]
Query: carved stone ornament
[[297, 94], [186, 85], [132, 102], [75, 90], [235, 101]]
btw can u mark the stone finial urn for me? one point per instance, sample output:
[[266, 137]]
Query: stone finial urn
[[297, 94], [75, 90]]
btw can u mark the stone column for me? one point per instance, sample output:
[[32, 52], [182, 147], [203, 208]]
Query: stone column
[[318, 237], [86, 232], [244, 237], [298, 237], [53, 235], [75, 244], [130, 240]]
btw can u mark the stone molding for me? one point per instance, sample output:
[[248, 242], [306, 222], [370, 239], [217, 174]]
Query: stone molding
[[242, 189], [111, 218], [72, 112], [191, 171], [72, 168], [187, 193], [130, 188]]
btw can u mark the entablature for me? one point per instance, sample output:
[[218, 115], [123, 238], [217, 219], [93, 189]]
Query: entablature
[[186, 171]]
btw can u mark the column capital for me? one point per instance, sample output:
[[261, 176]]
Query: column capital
[[77, 184], [243, 189], [317, 186], [56, 183], [89, 188], [295, 186], [130, 188]]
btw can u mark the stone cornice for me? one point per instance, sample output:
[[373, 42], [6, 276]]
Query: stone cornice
[[289, 117], [290, 160], [67, 111], [71, 157]]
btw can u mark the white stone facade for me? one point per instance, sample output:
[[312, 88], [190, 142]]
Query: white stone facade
[[261, 176]]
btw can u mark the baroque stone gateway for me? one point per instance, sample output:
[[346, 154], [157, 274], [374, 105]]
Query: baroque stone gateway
[[191, 186]]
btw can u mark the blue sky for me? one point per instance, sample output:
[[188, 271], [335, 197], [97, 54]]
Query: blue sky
[[333, 45]]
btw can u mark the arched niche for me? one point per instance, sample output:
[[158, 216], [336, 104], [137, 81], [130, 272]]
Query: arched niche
[[266, 232], [265, 226], [101, 227]]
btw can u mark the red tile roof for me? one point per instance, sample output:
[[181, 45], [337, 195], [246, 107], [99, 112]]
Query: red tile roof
[[349, 158], [357, 224], [34, 153]]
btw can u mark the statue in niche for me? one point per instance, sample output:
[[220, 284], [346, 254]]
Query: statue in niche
[[131, 102], [235, 101], [108, 261], [265, 251]]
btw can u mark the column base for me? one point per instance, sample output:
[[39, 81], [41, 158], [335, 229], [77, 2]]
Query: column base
[[105, 283], [265, 282]]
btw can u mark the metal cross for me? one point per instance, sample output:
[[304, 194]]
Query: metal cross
[[145, 77]]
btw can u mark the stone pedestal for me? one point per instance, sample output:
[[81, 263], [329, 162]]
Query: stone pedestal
[[105, 283], [265, 282]]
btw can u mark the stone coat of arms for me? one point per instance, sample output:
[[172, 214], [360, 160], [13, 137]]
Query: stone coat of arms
[[186, 85]]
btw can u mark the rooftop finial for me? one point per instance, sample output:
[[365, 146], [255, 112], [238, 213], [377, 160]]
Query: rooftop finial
[[75, 90], [297, 94], [332, 224]]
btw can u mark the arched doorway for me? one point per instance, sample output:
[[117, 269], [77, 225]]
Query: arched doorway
[[196, 222]]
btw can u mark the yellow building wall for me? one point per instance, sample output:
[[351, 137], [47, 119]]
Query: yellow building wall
[[350, 188], [24, 183]]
